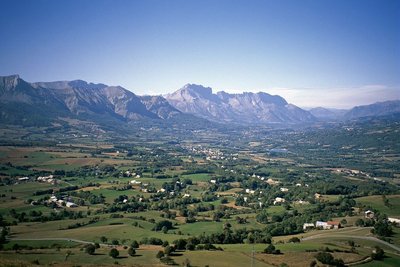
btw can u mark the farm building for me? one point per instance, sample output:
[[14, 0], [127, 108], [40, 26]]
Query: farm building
[[334, 224], [369, 214], [322, 225], [308, 226]]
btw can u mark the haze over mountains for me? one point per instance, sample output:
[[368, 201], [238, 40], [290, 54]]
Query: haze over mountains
[[44, 102]]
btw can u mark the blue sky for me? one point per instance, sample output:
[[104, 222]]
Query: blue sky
[[314, 53]]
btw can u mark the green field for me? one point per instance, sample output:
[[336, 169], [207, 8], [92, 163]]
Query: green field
[[376, 202]]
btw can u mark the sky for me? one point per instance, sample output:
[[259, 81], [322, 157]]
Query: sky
[[313, 53]]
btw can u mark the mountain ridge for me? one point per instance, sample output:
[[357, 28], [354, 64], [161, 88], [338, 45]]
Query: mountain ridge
[[246, 107], [44, 102]]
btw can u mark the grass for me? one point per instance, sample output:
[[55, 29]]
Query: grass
[[198, 177], [376, 202], [201, 227], [390, 260]]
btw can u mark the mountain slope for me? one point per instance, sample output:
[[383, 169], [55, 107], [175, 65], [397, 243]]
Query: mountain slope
[[373, 110], [327, 113], [240, 108], [159, 106], [40, 103]]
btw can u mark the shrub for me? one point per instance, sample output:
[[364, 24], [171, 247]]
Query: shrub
[[294, 240], [378, 253], [90, 249], [160, 254], [131, 251], [114, 253]]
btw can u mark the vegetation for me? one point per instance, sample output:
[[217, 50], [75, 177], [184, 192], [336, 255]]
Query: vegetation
[[203, 195]]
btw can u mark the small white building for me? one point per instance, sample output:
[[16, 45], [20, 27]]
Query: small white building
[[394, 220], [308, 226], [323, 225], [369, 214], [279, 200], [71, 204], [284, 189]]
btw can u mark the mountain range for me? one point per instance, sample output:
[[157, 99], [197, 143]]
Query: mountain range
[[42, 103]]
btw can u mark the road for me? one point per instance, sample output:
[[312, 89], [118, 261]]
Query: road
[[369, 238]]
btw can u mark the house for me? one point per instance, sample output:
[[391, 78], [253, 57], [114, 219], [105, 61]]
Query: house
[[283, 189], [317, 196], [322, 225], [308, 226], [369, 214], [186, 195], [26, 178], [135, 182], [71, 204], [394, 220], [334, 224], [213, 181], [279, 200]]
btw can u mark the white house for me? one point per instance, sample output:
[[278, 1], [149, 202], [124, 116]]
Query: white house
[[394, 220], [279, 200], [323, 225], [369, 214], [307, 226], [71, 204], [284, 189]]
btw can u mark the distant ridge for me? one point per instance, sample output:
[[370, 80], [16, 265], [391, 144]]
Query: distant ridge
[[241, 108], [374, 110], [43, 103]]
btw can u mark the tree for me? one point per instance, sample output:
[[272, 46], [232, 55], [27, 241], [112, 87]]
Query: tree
[[294, 240], [180, 244], [383, 228], [90, 249], [114, 253], [378, 253], [134, 244], [131, 251], [160, 254], [360, 222], [324, 257], [262, 217], [271, 250], [168, 250], [67, 254], [103, 239]]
